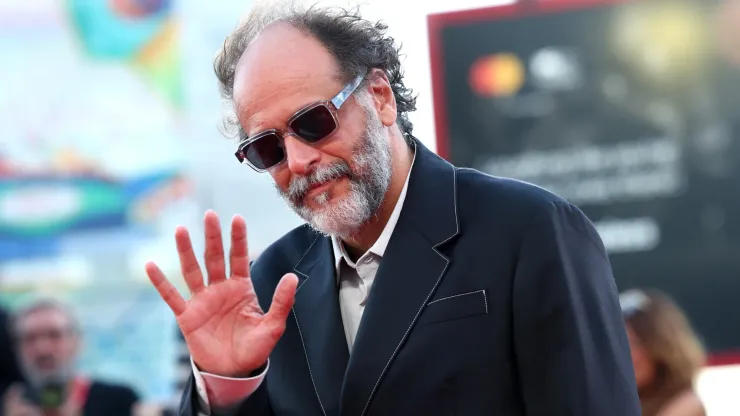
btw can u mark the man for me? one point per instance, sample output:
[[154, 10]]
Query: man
[[48, 343], [416, 288]]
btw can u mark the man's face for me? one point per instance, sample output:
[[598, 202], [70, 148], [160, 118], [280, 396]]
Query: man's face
[[47, 345], [337, 184]]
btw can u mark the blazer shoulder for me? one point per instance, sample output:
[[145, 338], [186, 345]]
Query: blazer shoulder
[[504, 196], [518, 207]]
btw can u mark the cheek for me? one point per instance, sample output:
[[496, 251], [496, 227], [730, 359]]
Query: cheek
[[27, 355], [352, 127], [636, 350], [643, 366], [638, 356], [69, 350], [281, 176], [341, 146]]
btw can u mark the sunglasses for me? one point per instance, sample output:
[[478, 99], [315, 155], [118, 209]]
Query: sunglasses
[[311, 124]]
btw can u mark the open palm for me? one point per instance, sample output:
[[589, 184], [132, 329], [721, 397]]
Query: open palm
[[226, 330]]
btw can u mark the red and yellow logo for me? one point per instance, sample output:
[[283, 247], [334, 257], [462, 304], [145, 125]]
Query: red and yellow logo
[[499, 75]]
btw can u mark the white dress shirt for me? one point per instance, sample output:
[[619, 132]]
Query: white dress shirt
[[355, 279]]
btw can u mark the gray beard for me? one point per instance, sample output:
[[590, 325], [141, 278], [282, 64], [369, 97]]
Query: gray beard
[[369, 179], [38, 379]]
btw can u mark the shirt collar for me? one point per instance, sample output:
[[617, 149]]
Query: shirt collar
[[378, 248]]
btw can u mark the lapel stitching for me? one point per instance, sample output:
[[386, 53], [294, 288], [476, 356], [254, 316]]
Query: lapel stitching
[[295, 268], [298, 325], [308, 363], [439, 279]]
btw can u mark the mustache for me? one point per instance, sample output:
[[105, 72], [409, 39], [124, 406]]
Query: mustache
[[44, 359], [300, 186]]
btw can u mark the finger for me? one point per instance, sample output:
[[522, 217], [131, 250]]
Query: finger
[[14, 398], [283, 299], [16, 390], [188, 263], [166, 290], [214, 256], [239, 252], [25, 409]]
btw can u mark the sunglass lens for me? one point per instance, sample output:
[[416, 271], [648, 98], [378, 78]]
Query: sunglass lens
[[265, 152], [315, 124]]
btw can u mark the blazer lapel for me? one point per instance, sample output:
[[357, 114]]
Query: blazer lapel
[[410, 271], [319, 321]]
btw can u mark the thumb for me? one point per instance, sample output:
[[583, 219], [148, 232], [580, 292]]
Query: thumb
[[283, 299], [14, 393], [13, 399]]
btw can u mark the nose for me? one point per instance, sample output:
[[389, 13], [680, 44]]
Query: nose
[[301, 156]]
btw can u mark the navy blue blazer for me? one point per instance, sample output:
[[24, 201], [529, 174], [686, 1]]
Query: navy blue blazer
[[494, 297]]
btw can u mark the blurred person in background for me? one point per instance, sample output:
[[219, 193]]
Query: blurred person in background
[[48, 342], [666, 354], [9, 371], [425, 289]]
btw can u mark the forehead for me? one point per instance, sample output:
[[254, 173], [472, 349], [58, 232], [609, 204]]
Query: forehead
[[281, 71], [46, 318]]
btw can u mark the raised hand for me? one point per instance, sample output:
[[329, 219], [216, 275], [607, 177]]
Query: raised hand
[[224, 326], [14, 404]]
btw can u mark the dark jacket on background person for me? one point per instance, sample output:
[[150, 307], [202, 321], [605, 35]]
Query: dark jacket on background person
[[9, 369], [107, 399]]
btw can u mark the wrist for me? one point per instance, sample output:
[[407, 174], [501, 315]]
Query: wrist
[[240, 374], [259, 370]]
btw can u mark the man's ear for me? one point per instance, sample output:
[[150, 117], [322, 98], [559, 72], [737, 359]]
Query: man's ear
[[383, 99]]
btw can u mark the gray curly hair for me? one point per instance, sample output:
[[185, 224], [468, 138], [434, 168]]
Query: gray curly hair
[[358, 45]]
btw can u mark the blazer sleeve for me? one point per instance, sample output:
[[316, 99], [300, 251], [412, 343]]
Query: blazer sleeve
[[258, 404], [570, 342]]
